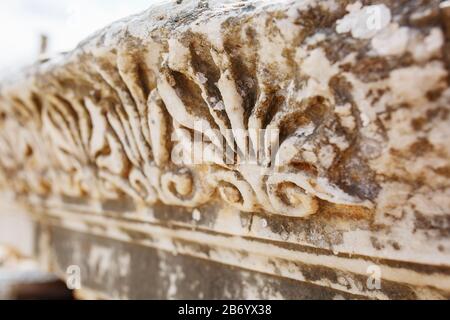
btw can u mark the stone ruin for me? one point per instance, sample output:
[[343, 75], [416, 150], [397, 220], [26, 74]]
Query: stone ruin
[[335, 183]]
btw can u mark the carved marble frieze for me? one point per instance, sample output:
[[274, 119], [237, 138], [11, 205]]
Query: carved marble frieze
[[334, 112], [356, 112]]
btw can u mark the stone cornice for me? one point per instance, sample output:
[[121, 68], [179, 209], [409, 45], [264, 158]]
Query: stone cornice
[[361, 116]]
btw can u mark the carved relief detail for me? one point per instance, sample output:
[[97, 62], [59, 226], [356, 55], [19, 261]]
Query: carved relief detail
[[108, 120]]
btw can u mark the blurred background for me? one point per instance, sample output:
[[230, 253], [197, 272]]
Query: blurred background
[[29, 28], [25, 24]]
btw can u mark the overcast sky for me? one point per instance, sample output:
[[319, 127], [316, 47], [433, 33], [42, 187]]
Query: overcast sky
[[66, 22]]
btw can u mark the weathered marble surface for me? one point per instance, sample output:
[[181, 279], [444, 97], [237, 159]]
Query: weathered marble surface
[[363, 116]]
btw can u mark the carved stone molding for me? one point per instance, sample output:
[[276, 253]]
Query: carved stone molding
[[361, 116]]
